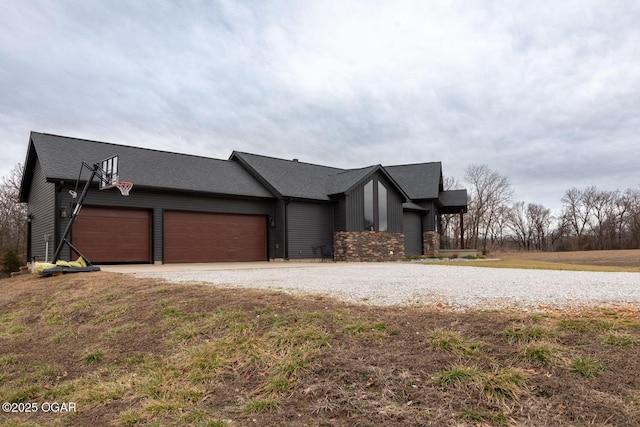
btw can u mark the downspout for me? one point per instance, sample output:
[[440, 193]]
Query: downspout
[[423, 216], [285, 228], [57, 223]]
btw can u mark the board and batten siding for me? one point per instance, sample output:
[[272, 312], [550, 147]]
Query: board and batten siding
[[308, 224], [354, 206], [429, 219], [355, 209], [42, 211], [394, 211]]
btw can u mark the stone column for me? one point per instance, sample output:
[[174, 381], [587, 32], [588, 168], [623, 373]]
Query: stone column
[[431, 242]]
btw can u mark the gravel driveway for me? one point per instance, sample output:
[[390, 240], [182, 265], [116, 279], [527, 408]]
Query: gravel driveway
[[426, 284]]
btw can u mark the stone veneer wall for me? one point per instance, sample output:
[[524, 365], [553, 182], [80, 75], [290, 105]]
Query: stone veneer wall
[[371, 246], [431, 243]]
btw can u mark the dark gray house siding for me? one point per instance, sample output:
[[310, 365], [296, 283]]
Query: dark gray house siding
[[354, 208], [40, 210], [429, 221], [278, 229], [340, 214], [395, 214], [308, 225]]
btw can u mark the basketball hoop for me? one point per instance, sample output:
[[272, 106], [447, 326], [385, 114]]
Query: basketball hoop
[[124, 187]]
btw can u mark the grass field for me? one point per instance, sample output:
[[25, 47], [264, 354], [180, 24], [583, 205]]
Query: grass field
[[612, 261], [138, 352]]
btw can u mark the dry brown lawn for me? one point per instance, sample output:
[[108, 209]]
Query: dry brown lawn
[[139, 352], [607, 261], [621, 258]]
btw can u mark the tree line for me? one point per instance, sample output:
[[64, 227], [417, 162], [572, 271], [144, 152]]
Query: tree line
[[589, 219]]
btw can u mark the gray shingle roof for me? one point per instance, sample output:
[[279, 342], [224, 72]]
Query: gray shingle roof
[[453, 201], [410, 206], [244, 174], [343, 181], [61, 158], [420, 181], [290, 178]]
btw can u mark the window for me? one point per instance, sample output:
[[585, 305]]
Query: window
[[382, 207], [368, 206], [376, 206]]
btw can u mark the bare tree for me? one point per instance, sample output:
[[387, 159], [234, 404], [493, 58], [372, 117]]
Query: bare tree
[[498, 229], [13, 214], [576, 212], [631, 201], [600, 219], [530, 223], [519, 225], [540, 222], [602, 206], [490, 192]]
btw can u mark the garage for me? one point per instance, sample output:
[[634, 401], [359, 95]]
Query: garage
[[213, 237], [412, 227], [113, 235]]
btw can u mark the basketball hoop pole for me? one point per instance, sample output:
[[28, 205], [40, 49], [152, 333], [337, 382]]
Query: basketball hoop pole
[[74, 214]]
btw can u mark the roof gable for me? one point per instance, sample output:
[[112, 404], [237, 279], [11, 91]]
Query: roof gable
[[61, 159]]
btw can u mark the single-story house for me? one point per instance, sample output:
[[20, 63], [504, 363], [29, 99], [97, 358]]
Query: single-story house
[[186, 208]]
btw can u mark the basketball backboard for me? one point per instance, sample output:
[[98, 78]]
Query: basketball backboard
[[109, 173]]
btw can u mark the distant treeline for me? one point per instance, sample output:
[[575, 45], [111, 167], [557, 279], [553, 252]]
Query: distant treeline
[[590, 218]]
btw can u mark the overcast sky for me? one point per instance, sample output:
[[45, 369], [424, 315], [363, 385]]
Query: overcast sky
[[546, 93]]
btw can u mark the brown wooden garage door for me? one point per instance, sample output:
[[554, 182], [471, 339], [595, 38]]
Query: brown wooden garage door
[[113, 235], [206, 237]]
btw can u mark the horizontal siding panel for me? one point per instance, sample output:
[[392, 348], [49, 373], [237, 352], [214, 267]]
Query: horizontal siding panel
[[42, 211], [309, 224]]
